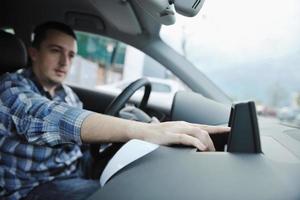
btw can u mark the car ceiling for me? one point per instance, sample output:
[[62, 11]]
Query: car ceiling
[[121, 19]]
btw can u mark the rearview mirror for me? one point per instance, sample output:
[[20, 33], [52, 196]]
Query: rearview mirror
[[163, 11], [188, 8]]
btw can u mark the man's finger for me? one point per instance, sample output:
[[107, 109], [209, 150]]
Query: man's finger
[[201, 135], [214, 129], [209, 143], [189, 141]]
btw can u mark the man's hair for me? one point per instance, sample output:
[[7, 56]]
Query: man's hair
[[40, 31]]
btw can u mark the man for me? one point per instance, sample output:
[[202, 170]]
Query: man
[[43, 125]]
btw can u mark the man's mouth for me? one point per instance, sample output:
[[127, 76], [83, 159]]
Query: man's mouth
[[60, 72]]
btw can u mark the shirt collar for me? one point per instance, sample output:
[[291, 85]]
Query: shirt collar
[[59, 91]]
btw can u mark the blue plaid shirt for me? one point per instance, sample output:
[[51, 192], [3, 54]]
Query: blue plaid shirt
[[39, 135]]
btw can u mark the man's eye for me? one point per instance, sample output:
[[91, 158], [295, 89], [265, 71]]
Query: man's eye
[[54, 50]]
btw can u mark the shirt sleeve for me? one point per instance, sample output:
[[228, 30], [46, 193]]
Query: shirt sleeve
[[41, 121]]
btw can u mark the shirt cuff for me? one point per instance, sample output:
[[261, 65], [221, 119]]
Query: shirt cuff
[[70, 125]]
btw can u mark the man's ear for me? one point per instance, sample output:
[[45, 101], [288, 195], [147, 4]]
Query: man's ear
[[32, 53]]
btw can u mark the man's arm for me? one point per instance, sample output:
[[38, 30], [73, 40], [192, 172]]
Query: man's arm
[[97, 128], [46, 122]]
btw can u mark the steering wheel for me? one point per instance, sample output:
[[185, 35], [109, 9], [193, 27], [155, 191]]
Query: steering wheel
[[119, 102], [100, 160]]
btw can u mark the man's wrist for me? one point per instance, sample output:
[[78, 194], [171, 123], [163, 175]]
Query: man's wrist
[[138, 130]]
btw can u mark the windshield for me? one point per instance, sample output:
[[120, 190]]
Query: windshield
[[250, 49]]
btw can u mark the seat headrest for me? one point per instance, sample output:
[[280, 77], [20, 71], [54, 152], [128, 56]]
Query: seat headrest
[[13, 54]]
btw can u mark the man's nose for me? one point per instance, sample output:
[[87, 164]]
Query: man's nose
[[64, 60]]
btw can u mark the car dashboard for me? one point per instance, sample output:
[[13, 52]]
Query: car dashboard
[[184, 173]]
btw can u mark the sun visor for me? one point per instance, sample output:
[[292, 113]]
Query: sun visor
[[120, 14]]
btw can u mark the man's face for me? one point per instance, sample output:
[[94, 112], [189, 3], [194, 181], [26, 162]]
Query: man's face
[[53, 59]]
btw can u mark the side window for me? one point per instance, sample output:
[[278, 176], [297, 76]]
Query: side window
[[107, 65]]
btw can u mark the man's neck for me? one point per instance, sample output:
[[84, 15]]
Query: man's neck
[[50, 90], [46, 84]]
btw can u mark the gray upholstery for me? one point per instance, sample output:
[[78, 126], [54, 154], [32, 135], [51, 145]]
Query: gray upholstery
[[13, 54]]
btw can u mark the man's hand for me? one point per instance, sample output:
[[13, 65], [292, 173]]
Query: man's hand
[[184, 133], [98, 128]]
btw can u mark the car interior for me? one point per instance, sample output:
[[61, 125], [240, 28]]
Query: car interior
[[269, 170]]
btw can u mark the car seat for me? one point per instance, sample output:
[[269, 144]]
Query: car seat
[[13, 54]]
